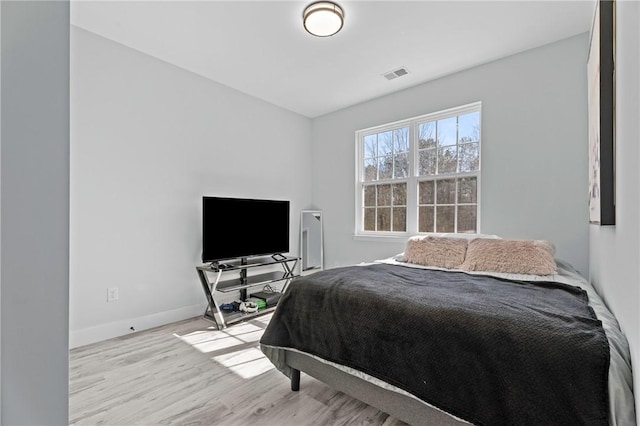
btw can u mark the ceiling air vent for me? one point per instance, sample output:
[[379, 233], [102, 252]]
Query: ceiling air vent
[[395, 73]]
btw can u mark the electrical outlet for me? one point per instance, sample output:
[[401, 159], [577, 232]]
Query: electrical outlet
[[113, 294]]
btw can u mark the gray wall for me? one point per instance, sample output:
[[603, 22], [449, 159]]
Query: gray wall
[[533, 151], [149, 139], [615, 250], [35, 212]]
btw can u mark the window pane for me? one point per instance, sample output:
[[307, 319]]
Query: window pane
[[447, 159], [385, 167], [370, 195], [446, 191], [401, 140], [425, 219], [446, 131], [427, 135], [384, 219], [385, 143], [467, 218], [401, 165], [467, 190], [399, 219], [469, 157], [370, 146], [427, 162], [446, 219], [425, 192], [369, 219], [400, 194], [384, 195], [469, 127], [370, 170]]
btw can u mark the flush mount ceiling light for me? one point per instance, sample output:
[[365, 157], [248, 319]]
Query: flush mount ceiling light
[[323, 18]]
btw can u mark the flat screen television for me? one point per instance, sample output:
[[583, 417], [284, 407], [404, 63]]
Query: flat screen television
[[238, 227]]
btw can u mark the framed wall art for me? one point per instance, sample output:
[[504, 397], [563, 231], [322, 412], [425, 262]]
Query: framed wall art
[[601, 98]]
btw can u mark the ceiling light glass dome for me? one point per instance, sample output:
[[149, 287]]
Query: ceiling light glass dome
[[323, 18]]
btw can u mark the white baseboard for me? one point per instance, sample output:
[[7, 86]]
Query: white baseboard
[[110, 330]]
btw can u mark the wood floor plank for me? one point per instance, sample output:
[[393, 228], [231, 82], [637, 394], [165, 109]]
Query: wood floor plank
[[189, 373]]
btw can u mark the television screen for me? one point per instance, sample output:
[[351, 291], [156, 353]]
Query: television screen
[[238, 227]]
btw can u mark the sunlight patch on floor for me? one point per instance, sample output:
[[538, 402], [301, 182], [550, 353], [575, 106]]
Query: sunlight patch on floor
[[213, 340], [243, 361], [246, 363]]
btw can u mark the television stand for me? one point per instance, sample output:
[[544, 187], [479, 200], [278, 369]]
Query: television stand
[[213, 286], [278, 256]]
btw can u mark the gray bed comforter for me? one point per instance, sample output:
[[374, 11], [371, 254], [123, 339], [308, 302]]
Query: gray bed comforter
[[487, 350]]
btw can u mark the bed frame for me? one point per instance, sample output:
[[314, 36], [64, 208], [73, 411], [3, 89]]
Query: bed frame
[[402, 407]]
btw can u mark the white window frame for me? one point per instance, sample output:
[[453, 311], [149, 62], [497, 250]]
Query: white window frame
[[413, 178]]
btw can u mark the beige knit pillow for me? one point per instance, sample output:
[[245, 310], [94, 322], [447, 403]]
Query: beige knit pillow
[[533, 257], [436, 251]]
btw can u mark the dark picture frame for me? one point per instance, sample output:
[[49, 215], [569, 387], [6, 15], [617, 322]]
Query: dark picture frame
[[601, 97]]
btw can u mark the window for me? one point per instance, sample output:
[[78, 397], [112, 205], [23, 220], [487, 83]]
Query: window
[[420, 175]]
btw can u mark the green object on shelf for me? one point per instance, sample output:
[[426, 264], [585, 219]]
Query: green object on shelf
[[261, 303]]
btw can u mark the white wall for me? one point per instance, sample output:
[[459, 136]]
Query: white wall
[[533, 151], [148, 141], [34, 262], [615, 250]]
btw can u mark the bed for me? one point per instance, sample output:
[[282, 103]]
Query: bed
[[448, 346]]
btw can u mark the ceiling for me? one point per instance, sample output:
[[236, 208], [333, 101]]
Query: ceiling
[[260, 47]]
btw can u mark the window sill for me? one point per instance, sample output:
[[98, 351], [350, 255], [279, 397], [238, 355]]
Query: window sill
[[381, 238]]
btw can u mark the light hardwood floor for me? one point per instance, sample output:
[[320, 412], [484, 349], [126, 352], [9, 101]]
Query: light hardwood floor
[[189, 373]]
